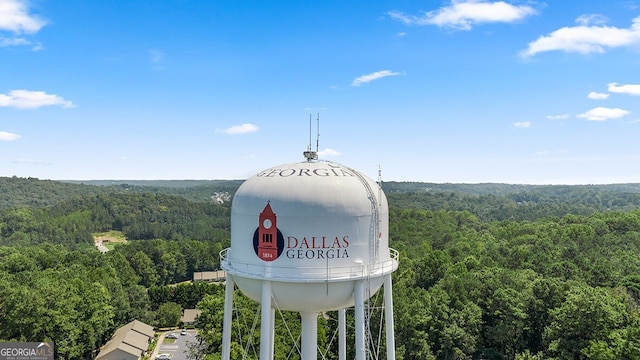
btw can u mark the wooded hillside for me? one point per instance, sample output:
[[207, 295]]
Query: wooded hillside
[[536, 272]]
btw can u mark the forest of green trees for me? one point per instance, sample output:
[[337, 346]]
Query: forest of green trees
[[489, 271]]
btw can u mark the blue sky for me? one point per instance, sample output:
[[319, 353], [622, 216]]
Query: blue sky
[[462, 91]]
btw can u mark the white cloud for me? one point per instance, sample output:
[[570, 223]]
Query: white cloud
[[558, 117], [37, 46], [327, 152], [239, 129], [591, 19], [603, 114], [522, 124], [373, 76], [463, 14], [597, 96], [26, 99], [629, 5], [15, 17], [585, 39], [16, 41], [7, 136], [631, 89], [19, 41]]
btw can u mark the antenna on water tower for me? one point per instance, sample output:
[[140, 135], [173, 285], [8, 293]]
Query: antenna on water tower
[[310, 154]]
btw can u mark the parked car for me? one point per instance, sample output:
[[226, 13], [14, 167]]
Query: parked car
[[172, 335], [183, 332], [163, 356]]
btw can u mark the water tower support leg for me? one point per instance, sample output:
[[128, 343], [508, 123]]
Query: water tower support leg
[[227, 320], [309, 335], [388, 318], [360, 325], [273, 333], [266, 326], [342, 334]]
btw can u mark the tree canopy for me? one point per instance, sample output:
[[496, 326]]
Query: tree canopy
[[501, 272]]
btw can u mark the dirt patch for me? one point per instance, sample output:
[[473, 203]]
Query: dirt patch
[[104, 239], [109, 237]]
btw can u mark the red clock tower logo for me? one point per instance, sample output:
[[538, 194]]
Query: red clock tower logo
[[268, 241]]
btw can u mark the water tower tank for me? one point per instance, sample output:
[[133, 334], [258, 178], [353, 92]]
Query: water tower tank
[[313, 231]]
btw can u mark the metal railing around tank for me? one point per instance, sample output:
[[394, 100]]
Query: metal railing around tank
[[308, 273]]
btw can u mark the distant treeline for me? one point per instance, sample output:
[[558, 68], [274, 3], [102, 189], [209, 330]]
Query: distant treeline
[[579, 199], [506, 189], [519, 206]]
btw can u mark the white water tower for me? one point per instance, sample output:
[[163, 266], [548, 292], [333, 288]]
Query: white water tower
[[310, 237]]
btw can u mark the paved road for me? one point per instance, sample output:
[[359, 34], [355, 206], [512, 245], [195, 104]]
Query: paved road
[[177, 348]]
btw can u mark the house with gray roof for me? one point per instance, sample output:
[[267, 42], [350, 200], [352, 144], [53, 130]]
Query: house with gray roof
[[218, 275], [130, 342]]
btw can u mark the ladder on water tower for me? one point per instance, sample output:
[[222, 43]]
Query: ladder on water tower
[[374, 225], [374, 239]]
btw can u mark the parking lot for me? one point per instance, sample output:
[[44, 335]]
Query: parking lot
[[177, 347]]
